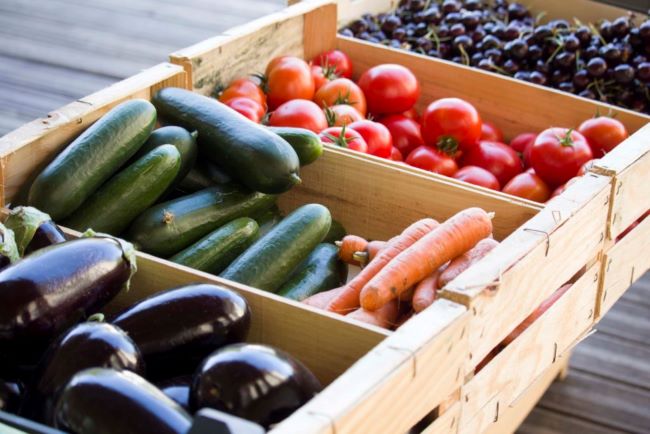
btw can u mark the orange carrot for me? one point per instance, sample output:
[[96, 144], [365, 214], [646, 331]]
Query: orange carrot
[[322, 299], [466, 260], [369, 253], [348, 245], [348, 300], [454, 237], [385, 317], [426, 290]]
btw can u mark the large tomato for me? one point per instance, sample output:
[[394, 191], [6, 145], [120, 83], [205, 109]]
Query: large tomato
[[499, 159], [344, 137], [428, 158], [389, 89], [337, 60], [396, 155], [341, 114], [290, 79], [406, 132], [244, 87], [478, 176], [412, 113], [529, 186], [275, 62], [451, 124], [376, 136], [248, 107], [491, 132], [522, 144], [299, 113], [603, 134], [341, 91], [558, 154]]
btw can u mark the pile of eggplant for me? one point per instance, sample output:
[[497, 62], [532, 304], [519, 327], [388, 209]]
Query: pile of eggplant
[[146, 369]]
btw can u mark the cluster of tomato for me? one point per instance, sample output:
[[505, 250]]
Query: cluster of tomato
[[377, 115]]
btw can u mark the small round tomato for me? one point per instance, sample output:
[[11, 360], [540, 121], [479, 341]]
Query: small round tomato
[[299, 113], [341, 114], [376, 136], [522, 145], [396, 155], [244, 87], [491, 132], [344, 137], [248, 107], [406, 132], [529, 186], [412, 113], [499, 159], [289, 79], [558, 154], [451, 124], [389, 89], [322, 75], [603, 134], [341, 91], [336, 59], [478, 176], [428, 158]]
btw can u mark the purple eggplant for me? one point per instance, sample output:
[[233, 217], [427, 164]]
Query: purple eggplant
[[46, 292], [11, 394], [8, 248], [105, 401], [86, 345], [178, 328], [255, 382], [33, 229], [178, 390]]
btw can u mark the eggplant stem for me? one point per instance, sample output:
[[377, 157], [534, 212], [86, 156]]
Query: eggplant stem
[[96, 317]]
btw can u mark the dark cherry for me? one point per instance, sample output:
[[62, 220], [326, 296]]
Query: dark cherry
[[510, 66], [581, 79], [537, 78], [597, 67], [457, 30], [643, 72], [624, 73], [517, 49]]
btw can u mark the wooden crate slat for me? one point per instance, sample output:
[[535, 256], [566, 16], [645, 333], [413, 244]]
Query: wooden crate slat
[[446, 423]]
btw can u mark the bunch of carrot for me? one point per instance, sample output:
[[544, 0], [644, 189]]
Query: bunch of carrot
[[401, 276]]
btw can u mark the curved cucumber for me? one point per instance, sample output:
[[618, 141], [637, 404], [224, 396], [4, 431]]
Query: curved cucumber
[[252, 154], [116, 204], [167, 228], [217, 250], [92, 158], [203, 175], [182, 139], [336, 232], [267, 263], [305, 142], [321, 271]]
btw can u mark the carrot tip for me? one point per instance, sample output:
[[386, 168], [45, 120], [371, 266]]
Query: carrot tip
[[361, 257], [338, 243], [491, 215]]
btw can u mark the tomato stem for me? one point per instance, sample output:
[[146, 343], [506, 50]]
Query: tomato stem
[[448, 145], [566, 140]]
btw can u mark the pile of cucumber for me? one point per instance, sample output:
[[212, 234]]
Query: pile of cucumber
[[200, 191]]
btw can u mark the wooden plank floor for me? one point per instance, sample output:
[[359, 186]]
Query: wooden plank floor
[[55, 51]]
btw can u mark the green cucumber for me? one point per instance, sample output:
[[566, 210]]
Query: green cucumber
[[267, 263], [217, 250], [256, 157], [182, 139], [336, 232], [118, 202], [321, 271], [268, 219], [305, 142], [87, 162], [167, 228], [203, 175]]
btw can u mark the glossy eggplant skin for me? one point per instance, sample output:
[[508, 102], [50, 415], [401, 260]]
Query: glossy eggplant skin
[[86, 345], [11, 394], [105, 401], [255, 382], [178, 390], [47, 234], [176, 329], [50, 289]]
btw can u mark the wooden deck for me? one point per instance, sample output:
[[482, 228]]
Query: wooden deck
[[55, 51]]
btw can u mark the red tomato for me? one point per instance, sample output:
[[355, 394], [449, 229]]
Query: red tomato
[[451, 124], [478, 176], [338, 60], [412, 113], [428, 158], [529, 186], [344, 137], [290, 79], [322, 75], [248, 107], [244, 87], [341, 91], [275, 62], [406, 132], [376, 136], [522, 144], [558, 154], [299, 113], [499, 159], [603, 134], [396, 155], [341, 114], [389, 89], [491, 132]]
